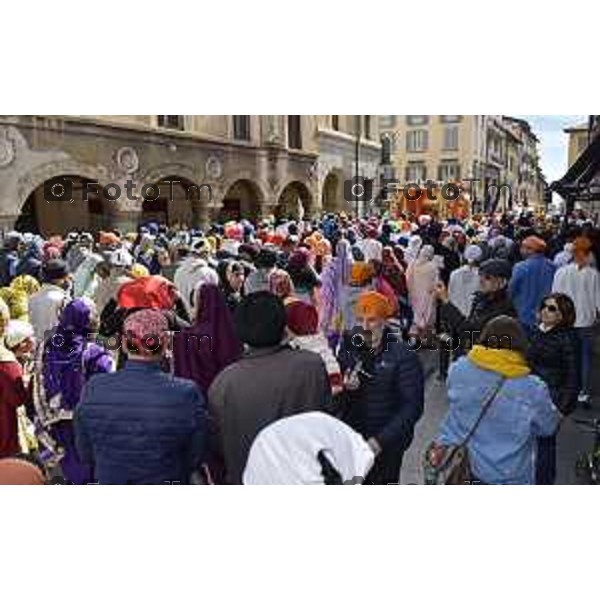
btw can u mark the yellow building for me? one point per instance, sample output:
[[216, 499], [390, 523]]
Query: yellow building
[[440, 148], [578, 141], [190, 169], [493, 156]]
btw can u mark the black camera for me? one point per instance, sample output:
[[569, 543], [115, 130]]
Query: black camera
[[358, 341], [358, 189], [58, 189]]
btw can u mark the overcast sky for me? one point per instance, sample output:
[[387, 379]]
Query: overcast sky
[[553, 142]]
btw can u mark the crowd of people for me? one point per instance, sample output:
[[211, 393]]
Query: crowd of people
[[284, 351]]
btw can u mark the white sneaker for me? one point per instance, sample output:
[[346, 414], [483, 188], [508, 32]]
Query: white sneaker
[[584, 399]]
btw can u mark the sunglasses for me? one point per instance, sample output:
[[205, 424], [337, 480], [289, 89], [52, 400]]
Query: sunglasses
[[550, 307]]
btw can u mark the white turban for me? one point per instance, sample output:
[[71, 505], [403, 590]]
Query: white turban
[[16, 332], [286, 452], [473, 253]]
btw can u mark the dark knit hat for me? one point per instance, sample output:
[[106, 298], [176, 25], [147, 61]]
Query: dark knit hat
[[55, 269], [496, 267], [260, 320]]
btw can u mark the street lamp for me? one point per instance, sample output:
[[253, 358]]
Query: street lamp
[[357, 156]]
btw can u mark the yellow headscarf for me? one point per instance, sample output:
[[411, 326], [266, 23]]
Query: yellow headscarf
[[138, 270], [360, 273], [25, 283], [507, 363], [16, 302]]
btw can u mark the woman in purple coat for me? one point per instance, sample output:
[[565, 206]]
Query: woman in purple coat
[[69, 360]]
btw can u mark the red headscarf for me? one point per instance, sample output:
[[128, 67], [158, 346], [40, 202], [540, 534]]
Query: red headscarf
[[302, 318], [153, 291]]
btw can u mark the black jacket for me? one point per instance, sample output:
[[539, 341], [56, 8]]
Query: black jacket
[[388, 404], [553, 357], [484, 309]]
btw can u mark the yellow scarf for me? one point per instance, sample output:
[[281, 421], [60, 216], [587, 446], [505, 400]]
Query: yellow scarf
[[508, 363]]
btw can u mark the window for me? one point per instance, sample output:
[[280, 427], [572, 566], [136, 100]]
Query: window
[[241, 127], [387, 149], [335, 122], [294, 132], [171, 121], [450, 138], [368, 126], [417, 119], [387, 121], [416, 171], [417, 140], [448, 170], [450, 118]]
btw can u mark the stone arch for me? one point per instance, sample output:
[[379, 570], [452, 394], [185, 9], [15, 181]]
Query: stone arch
[[291, 196], [36, 177], [175, 199], [243, 198], [82, 206], [333, 191], [164, 170]]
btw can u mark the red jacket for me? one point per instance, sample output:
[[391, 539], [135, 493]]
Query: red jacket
[[12, 394]]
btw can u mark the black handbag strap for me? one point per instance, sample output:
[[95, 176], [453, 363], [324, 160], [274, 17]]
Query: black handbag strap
[[483, 412]]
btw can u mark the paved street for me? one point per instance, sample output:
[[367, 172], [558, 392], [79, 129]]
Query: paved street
[[571, 440]]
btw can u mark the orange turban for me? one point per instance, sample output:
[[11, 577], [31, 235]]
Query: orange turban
[[360, 273], [534, 243], [581, 250], [373, 305], [108, 238]]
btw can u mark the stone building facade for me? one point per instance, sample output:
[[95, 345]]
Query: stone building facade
[[119, 171]]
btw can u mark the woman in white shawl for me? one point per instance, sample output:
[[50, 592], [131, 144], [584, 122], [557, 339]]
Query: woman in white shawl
[[421, 279], [308, 449], [414, 247], [464, 282]]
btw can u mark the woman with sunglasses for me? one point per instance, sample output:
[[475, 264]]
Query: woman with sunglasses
[[552, 356]]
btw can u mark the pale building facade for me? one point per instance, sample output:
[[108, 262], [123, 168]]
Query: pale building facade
[[578, 141], [187, 169], [499, 152]]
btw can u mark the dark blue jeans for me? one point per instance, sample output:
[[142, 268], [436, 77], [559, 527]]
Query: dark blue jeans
[[586, 349], [545, 466]]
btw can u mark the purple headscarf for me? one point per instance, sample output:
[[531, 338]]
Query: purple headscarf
[[202, 351], [68, 362], [66, 353]]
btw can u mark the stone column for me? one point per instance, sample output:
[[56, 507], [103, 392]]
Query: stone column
[[203, 216], [7, 222], [123, 220], [266, 209]]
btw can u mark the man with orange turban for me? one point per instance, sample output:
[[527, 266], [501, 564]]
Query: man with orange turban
[[373, 305], [531, 280], [581, 250], [384, 385]]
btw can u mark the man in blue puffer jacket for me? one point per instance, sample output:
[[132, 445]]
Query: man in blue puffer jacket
[[384, 387], [141, 425]]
